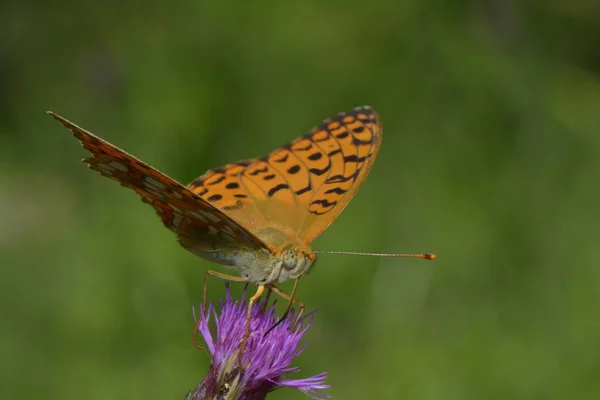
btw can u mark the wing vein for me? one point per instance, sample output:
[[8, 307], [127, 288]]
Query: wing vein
[[287, 182]]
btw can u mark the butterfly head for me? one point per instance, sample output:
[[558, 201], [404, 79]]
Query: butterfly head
[[296, 262]]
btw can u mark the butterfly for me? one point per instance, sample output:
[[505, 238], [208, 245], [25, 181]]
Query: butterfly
[[257, 216]]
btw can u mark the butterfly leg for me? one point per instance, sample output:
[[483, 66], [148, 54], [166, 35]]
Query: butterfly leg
[[253, 299], [220, 275], [291, 301], [267, 298]]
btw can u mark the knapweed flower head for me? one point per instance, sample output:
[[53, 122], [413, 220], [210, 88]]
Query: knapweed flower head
[[265, 360]]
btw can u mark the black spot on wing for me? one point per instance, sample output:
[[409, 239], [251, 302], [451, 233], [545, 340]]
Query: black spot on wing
[[218, 180], [215, 197], [324, 203], [317, 212], [277, 188], [259, 171], [355, 158], [307, 147], [232, 185], [326, 206], [336, 190], [358, 142], [304, 190], [320, 172], [342, 178], [294, 169], [282, 159], [203, 192]]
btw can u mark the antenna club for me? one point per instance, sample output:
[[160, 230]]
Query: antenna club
[[430, 256]]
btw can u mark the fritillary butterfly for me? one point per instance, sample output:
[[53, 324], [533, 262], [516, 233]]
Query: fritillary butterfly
[[257, 216]]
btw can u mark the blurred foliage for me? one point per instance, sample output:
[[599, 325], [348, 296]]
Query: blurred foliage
[[490, 158]]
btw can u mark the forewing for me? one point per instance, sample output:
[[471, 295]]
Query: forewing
[[190, 216], [303, 186]]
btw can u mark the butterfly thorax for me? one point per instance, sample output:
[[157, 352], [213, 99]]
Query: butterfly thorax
[[287, 257]]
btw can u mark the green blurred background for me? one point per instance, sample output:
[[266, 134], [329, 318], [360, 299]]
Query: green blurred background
[[490, 158]]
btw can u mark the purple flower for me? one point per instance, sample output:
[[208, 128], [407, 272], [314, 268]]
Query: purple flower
[[265, 360]]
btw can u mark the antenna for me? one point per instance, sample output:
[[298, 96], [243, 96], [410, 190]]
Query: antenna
[[426, 256]]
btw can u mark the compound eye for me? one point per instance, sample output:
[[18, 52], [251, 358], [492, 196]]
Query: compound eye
[[290, 259]]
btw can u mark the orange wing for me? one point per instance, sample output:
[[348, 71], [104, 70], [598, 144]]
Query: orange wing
[[190, 216], [303, 186]]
